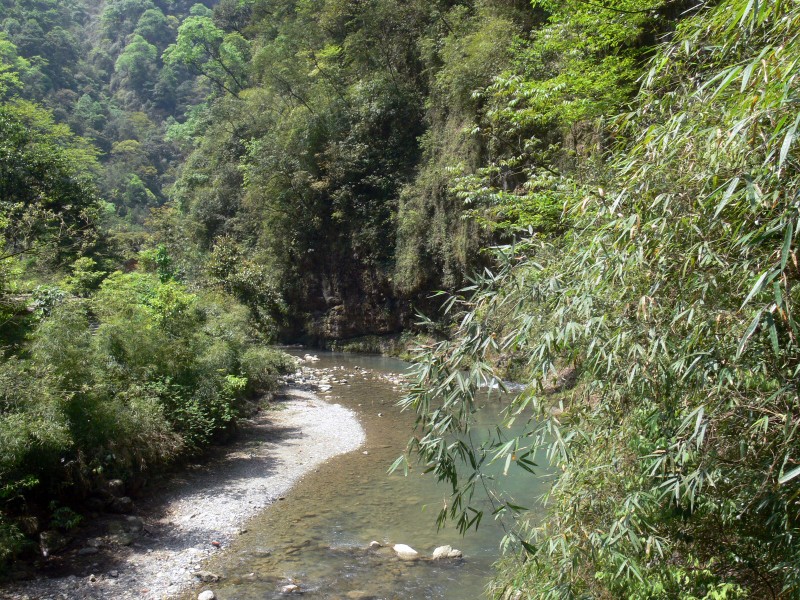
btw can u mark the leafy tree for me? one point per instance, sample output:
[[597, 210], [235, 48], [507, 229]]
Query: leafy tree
[[209, 51], [137, 64], [154, 27], [121, 16], [47, 201]]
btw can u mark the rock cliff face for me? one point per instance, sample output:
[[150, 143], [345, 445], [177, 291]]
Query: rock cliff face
[[347, 303]]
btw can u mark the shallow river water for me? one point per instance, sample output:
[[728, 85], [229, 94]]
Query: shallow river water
[[318, 536]]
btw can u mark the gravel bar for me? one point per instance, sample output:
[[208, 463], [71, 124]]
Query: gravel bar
[[200, 510]]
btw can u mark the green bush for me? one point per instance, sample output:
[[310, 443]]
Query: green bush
[[263, 366], [124, 381], [674, 295]]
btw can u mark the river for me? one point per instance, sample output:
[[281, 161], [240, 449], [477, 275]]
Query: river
[[318, 536]]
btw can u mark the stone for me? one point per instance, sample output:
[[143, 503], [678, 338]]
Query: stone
[[121, 539], [446, 552], [207, 595], [121, 505], [134, 524], [88, 550], [116, 487], [405, 552], [374, 545], [208, 576], [51, 542], [115, 527], [290, 589]]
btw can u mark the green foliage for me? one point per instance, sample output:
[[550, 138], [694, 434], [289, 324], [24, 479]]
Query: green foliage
[[673, 298], [263, 366], [48, 204], [154, 27], [84, 277], [137, 63], [63, 517], [247, 280], [206, 49], [159, 261], [160, 372]]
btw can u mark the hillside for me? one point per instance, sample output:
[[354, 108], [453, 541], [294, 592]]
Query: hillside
[[597, 199]]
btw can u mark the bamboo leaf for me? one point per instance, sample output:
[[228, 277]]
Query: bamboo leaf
[[787, 143], [748, 333], [789, 476], [763, 279], [726, 197], [787, 245]]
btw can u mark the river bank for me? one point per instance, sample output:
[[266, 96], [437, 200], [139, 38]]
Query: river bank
[[199, 512]]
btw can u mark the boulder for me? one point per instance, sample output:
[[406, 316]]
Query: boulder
[[446, 552], [207, 595], [51, 542], [405, 552], [374, 545], [290, 589]]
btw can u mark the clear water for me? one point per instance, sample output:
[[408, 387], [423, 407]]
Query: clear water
[[318, 536]]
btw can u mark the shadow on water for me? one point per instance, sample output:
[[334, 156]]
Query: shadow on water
[[319, 536]]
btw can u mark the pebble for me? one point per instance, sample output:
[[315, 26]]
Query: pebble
[[207, 576], [207, 595]]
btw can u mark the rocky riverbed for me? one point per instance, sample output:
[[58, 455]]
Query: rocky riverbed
[[160, 550]]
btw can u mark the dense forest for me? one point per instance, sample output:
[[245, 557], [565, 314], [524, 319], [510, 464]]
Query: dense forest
[[595, 198]]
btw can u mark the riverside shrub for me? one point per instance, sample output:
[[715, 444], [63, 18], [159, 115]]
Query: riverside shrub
[[120, 383], [674, 297]]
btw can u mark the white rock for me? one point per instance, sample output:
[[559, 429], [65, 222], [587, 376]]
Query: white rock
[[290, 589], [446, 552], [374, 544], [207, 595], [404, 551]]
